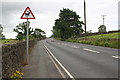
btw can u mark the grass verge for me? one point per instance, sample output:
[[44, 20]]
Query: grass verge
[[106, 40], [8, 41]]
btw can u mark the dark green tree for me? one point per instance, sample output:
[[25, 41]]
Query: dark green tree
[[38, 33], [20, 36], [21, 29], [67, 25], [102, 28], [1, 34]]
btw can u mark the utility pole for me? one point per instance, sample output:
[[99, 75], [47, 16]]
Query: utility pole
[[85, 15], [103, 19]]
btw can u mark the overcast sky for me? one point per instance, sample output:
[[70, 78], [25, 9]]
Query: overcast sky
[[46, 11], [119, 14]]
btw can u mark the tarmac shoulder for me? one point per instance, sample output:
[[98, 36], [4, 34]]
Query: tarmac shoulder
[[40, 64]]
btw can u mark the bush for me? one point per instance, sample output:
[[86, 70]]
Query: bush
[[106, 44], [17, 76], [96, 43]]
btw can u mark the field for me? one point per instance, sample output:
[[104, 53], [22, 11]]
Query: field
[[8, 41], [106, 40]]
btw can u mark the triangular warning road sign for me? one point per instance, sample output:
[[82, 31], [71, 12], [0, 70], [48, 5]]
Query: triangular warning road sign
[[27, 14]]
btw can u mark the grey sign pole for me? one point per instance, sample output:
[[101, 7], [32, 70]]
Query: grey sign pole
[[26, 15], [27, 42]]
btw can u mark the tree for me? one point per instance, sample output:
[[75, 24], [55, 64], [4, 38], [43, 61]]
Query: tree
[[20, 36], [38, 33], [67, 25], [1, 35], [1, 29], [56, 33], [21, 29], [102, 28]]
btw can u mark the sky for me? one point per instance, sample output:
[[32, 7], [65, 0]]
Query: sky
[[119, 14], [47, 11]]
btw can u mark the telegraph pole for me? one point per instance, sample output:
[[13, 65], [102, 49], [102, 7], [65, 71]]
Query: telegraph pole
[[85, 15], [103, 19]]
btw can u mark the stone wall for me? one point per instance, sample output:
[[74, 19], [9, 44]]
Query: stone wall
[[13, 57]]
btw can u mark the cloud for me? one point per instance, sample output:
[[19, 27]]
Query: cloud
[[0, 13], [119, 13]]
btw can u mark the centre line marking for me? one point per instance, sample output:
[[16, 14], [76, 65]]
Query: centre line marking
[[74, 46], [116, 56], [90, 50]]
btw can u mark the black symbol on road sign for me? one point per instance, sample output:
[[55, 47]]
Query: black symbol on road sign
[[27, 13]]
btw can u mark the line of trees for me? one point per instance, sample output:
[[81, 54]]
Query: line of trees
[[21, 31], [67, 25], [2, 36]]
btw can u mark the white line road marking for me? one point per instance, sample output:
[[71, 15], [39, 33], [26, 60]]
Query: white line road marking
[[116, 56], [63, 76], [60, 64], [90, 50], [58, 43], [68, 45], [74, 46], [65, 44]]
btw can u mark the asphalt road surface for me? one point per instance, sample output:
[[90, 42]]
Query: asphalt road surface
[[85, 61], [40, 65]]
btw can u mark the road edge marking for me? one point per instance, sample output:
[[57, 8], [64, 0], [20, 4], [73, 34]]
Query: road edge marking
[[68, 73], [90, 50], [63, 76]]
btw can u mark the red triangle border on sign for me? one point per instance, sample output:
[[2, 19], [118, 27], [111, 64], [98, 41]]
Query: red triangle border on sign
[[30, 12]]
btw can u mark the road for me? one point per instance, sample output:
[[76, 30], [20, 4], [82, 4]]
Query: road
[[85, 61], [40, 64]]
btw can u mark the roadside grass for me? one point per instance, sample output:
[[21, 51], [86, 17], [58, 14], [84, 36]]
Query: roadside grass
[[58, 38], [105, 36], [105, 43], [106, 40], [8, 41]]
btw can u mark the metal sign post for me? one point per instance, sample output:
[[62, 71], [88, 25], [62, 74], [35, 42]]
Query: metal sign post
[[27, 42], [27, 15]]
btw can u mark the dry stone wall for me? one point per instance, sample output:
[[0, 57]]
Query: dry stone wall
[[13, 57]]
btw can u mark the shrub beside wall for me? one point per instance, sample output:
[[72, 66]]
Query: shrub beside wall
[[13, 56]]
